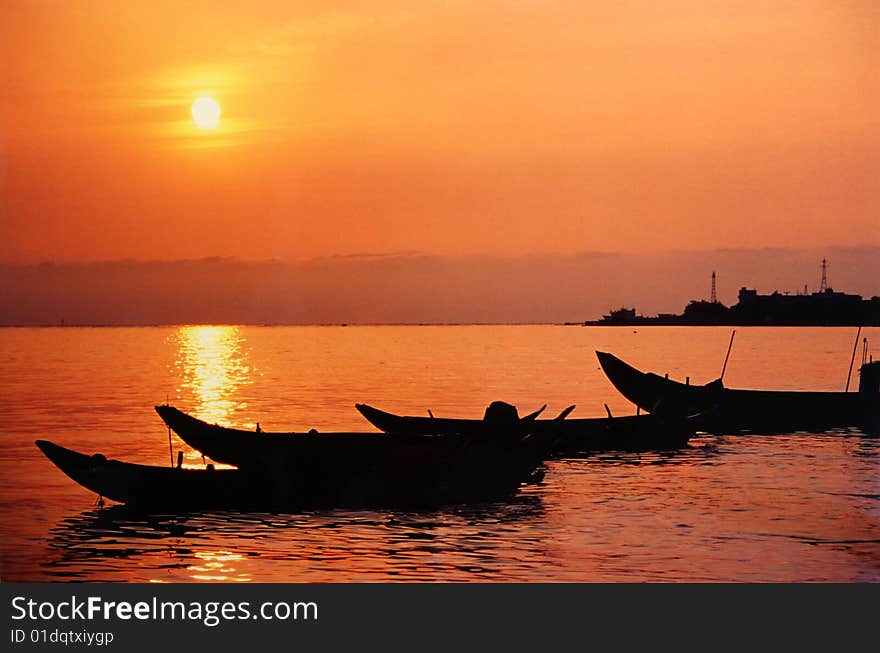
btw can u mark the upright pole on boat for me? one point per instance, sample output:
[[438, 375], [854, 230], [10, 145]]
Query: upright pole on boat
[[853, 359], [170, 448], [729, 347]]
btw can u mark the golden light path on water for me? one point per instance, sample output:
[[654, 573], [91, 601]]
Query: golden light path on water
[[217, 566], [213, 365]]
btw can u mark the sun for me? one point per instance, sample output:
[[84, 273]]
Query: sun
[[206, 112]]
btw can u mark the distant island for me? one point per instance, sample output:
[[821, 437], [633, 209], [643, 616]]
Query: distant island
[[823, 308]]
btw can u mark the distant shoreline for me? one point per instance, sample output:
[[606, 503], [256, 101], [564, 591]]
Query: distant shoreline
[[823, 308], [426, 324], [273, 324]]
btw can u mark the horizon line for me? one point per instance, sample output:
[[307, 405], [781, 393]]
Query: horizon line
[[150, 325], [412, 254]]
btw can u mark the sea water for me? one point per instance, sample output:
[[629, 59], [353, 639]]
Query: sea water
[[791, 507]]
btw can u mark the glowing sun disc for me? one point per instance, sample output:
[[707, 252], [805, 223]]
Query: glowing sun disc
[[206, 113]]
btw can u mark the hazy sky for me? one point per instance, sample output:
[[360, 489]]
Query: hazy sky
[[412, 288], [452, 128]]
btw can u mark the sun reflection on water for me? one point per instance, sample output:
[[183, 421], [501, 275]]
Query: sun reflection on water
[[213, 365], [218, 566]]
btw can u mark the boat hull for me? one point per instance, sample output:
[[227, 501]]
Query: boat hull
[[570, 437], [413, 473], [249, 448], [150, 485], [727, 410]]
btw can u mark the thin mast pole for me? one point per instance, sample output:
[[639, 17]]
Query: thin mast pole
[[729, 347], [853, 359]]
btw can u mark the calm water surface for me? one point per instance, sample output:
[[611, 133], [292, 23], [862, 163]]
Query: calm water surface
[[728, 508]]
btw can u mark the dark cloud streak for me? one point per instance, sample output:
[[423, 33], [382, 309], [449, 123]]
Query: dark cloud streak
[[409, 287]]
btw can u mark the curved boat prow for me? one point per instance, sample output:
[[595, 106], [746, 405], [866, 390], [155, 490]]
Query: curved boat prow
[[224, 445], [391, 423], [175, 418], [654, 393], [62, 458], [48, 448], [373, 415], [623, 376], [615, 368], [80, 467]]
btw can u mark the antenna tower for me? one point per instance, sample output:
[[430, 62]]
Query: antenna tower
[[824, 285], [714, 298]]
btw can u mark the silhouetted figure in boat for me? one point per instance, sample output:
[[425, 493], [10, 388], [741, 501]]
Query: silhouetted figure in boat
[[502, 418], [501, 413], [259, 430]]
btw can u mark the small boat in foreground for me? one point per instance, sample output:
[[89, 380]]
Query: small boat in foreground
[[761, 411], [316, 471], [407, 479], [148, 485]]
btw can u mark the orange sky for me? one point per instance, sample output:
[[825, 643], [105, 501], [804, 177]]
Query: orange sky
[[454, 128]]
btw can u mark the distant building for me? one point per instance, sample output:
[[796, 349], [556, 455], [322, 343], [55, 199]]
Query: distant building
[[823, 308], [703, 312], [826, 308], [622, 316]]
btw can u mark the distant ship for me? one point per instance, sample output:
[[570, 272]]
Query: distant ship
[[823, 308]]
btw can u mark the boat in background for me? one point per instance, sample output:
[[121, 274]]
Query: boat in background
[[570, 437], [727, 410]]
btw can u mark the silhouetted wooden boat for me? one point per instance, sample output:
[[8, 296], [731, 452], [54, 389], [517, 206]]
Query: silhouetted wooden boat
[[149, 485], [251, 448], [244, 448], [570, 437], [405, 473], [728, 410]]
